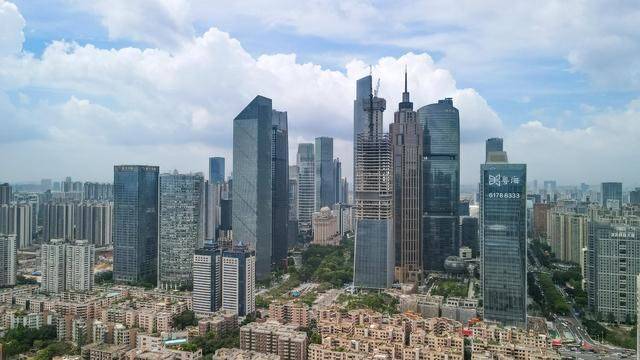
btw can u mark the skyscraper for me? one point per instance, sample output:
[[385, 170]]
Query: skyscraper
[[441, 182], [8, 260], [252, 183], [18, 219], [360, 118], [325, 187], [503, 242], [406, 144], [492, 145], [238, 280], [6, 194], [181, 228], [280, 186], [374, 248], [337, 176], [52, 260], [207, 279], [80, 260], [216, 170], [612, 195], [135, 223], [634, 197], [306, 185]]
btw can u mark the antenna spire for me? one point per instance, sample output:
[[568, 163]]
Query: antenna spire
[[405, 78]]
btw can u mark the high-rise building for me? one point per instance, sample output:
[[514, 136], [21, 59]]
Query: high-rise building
[[325, 227], [306, 185], [493, 145], [6, 194], [293, 193], [135, 223], [79, 264], [98, 191], [18, 219], [344, 191], [207, 279], [279, 186], [634, 197], [503, 242], [93, 221], [374, 247], [360, 118], [52, 259], [337, 176], [8, 261], [58, 221], [469, 234], [567, 234], [181, 228], [540, 213], [238, 280], [252, 182], [325, 189], [406, 149], [612, 195], [216, 170], [441, 182], [613, 260]]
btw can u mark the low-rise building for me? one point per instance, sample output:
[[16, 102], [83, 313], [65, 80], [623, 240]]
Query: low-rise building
[[295, 313], [274, 338]]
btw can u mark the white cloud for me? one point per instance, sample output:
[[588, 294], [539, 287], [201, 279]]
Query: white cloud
[[11, 25]]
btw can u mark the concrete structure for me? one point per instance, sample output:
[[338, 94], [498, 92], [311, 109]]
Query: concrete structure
[[52, 259], [294, 313], [279, 186], [135, 223], [503, 242], [306, 185], [18, 219], [406, 150], [325, 227], [181, 228], [8, 260], [441, 182], [567, 234], [252, 181], [239, 280], [239, 354], [80, 260], [374, 246], [540, 217], [274, 338], [207, 279], [94, 222]]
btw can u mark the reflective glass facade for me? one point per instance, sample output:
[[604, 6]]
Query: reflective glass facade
[[612, 195], [503, 242], [325, 186], [306, 186], [492, 144], [135, 223], [280, 185], [441, 182], [252, 198], [216, 170]]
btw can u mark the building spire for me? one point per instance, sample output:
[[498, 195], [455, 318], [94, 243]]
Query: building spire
[[405, 79], [406, 103]]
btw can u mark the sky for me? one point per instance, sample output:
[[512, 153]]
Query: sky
[[85, 85]]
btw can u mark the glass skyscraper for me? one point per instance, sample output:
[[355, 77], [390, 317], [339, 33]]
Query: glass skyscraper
[[216, 170], [135, 223], [280, 185], [325, 187], [252, 195], [612, 195], [503, 242], [492, 145], [441, 182], [181, 228], [360, 119], [306, 186]]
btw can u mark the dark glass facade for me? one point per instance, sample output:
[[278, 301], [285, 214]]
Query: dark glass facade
[[441, 182], [280, 186], [612, 195], [252, 195], [135, 223], [503, 242], [469, 234], [325, 186], [493, 144], [216, 170]]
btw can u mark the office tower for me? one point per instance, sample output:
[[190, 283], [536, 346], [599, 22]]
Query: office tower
[[324, 173], [6, 194], [8, 262], [280, 186], [360, 117], [226, 213], [18, 219], [212, 197], [441, 182], [98, 191], [503, 242], [469, 234], [613, 260], [252, 208], [374, 247], [634, 197], [406, 149], [325, 227], [293, 193], [306, 186], [52, 256], [337, 176], [549, 186], [135, 223], [492, 145], [181, 228], [239, 280], [463, 207], [612, 195], [79, 264], [567, 234], [207, 279], [216, 170], [93, 221], [344, 191]]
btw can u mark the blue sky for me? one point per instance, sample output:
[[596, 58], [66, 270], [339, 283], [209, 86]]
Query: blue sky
[[158, 81]]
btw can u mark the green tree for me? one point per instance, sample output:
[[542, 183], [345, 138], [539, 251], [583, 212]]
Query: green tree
[[184, 319]]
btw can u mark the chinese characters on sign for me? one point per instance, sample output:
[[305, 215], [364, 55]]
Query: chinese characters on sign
[[500, 180]]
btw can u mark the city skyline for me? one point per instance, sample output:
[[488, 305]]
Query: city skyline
[[182, 130]]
